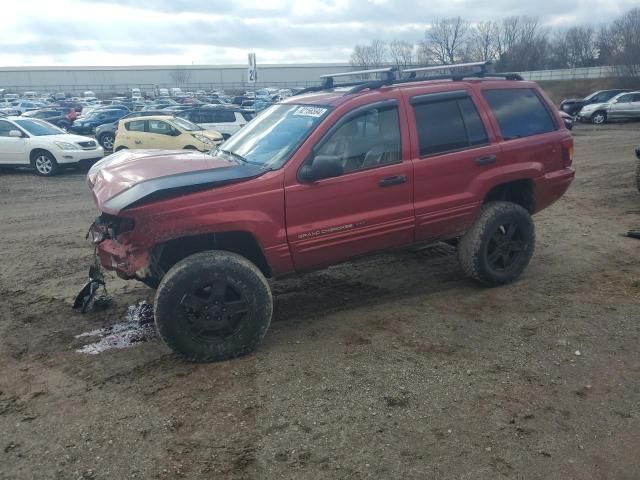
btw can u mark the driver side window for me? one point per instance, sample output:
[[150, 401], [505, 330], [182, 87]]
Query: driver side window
[[368, 140], [159, 127]]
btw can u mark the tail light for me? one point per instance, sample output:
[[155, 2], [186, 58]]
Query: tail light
[[567, 154]]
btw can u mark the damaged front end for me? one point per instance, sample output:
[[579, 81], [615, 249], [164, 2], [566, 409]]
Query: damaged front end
[[111, 253], [109, 234]]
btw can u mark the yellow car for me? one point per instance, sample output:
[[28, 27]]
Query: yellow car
[[165, 133]]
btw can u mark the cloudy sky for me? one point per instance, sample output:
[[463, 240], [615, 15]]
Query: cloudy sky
[[171, 32]]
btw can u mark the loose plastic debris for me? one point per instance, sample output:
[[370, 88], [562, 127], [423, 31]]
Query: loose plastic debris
[[136, 328]]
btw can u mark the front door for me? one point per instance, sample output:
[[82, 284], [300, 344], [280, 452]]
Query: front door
[[12, 149], [366, 209], [160, 135], [622, 108]]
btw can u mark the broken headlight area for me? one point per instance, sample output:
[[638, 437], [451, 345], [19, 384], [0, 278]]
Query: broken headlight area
[[108, 227], [89, 297]]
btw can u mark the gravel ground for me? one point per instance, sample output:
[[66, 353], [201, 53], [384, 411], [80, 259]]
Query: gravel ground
[[394, 366]]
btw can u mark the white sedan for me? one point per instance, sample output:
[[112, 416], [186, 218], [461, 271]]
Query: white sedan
[[28, 141]]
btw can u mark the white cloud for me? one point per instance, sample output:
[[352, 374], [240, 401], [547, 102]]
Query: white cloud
[[124, 32]]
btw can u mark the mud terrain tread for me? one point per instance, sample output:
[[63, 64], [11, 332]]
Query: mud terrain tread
[[470, 245], [232, 265]]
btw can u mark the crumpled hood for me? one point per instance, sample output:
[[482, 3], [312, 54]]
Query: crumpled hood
[[128, 178]]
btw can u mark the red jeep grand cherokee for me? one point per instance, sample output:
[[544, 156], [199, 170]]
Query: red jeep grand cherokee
[[324, 177]]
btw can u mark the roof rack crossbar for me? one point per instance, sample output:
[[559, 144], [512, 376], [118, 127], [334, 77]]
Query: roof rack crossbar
[[389, 74], [486, 70], [485, 67]]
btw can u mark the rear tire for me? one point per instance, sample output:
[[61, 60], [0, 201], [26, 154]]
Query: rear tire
[[638, 174], [598, 118], [190, 147], [122, 147], [499, 245], [107, 140], [44, 163], [213, 306]]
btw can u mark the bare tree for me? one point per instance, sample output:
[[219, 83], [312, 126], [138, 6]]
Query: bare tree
[[180, 76], [369, 56], [625, 43], [401, 53], [575, 47], [484, 41], [523, 44], [445, 41]]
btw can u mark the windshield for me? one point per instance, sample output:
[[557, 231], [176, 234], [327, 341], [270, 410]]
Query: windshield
[[39, 128], [186, 125], [275, 134]]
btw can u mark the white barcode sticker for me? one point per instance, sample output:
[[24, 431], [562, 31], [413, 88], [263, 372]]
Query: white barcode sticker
[[310, 111]]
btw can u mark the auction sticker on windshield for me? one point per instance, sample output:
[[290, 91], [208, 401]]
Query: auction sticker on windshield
[[310, 111]]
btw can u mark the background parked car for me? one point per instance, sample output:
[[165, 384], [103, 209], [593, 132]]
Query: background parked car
[[29, 141], [106, 133], [26, 105], [567, 119], [9, 111], [62, 117], [87, 124], [226, 120], [572, 106], [625, 106], [166, 133]]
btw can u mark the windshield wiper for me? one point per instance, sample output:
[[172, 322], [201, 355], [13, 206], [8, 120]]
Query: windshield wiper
[[234, 155]]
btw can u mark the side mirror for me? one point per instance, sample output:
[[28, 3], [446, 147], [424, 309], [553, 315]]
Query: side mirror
[[15, 133], [323, 166]]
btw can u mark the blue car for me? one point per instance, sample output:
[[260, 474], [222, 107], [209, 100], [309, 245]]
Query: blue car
[[87, 125]]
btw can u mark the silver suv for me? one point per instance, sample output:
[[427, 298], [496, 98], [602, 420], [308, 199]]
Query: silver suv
[[624, 106]]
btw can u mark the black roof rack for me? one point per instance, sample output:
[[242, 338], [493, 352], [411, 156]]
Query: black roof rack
[[393, 76]]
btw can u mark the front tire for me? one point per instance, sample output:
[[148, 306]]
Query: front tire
[[213, 306], [44, 163], [598, 118], [499, 245], [121, 148]]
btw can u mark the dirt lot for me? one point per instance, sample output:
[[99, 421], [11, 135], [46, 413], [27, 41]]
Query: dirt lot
[[390, 367]]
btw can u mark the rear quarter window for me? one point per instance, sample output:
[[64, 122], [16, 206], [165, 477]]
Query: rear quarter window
[[519, 112]]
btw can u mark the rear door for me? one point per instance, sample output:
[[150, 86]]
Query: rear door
[[452, 146], [133, 134], [635, 106], [366, 209]]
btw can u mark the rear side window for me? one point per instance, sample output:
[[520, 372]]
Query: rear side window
[[135, 126], [519, 112], [224, 116], [247, 116], [448, 125]]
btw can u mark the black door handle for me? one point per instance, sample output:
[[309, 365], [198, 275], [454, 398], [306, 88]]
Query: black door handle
[[396, 180], [486, 160]]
